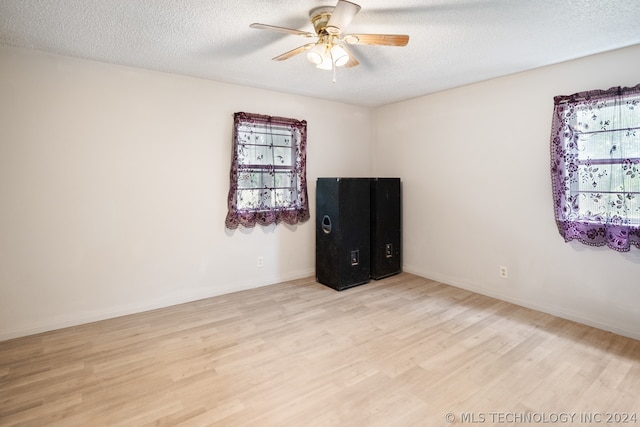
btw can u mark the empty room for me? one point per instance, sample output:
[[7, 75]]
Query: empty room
[[163, 177]]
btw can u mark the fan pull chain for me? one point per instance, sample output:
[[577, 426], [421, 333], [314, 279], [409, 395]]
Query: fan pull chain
[[333, 66]]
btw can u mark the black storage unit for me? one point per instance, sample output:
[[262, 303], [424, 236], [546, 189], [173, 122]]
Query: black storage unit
[[386, 228], [343, 232], [358, 230]]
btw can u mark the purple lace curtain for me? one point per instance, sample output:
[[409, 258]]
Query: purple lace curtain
[[268, 181], [595, 167]]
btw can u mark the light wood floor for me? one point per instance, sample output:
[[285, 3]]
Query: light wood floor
[[403, 351]]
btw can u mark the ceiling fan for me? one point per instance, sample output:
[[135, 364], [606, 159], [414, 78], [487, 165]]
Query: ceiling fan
[[330, 50]]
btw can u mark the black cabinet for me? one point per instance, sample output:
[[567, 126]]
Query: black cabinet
[[385, 227], [342, 232], [358, 230]]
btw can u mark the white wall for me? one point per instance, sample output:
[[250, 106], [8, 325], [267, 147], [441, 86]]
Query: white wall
[[477, 193], [113, 188], [113, 185]]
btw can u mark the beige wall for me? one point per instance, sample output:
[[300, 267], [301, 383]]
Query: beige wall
[[113, 185], [113, 188], [477, 193]]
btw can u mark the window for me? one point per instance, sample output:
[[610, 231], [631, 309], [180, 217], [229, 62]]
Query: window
[[268, 171], [595, 167]]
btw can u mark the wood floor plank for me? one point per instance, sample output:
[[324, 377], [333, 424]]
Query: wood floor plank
[[402, 351]]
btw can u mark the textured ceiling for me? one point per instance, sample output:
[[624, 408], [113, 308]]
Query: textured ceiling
[[453, 42]]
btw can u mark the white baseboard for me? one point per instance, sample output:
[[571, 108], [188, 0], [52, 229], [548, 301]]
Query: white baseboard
[[76, 319], [549, 309], [80, 318]]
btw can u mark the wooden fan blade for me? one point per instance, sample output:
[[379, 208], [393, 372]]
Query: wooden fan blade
[[341, 16], [281, 30], [294, 52], [377, 39]]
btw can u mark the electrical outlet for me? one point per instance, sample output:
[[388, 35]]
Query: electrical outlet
[[260, 262], [503, 272]]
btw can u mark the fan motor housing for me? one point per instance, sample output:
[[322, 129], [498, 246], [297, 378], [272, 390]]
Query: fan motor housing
[[320, 17]]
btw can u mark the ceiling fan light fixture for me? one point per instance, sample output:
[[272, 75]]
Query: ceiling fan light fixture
[[319, 55], [339, 55], [315, 55], [327, 56], [326, 63]]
